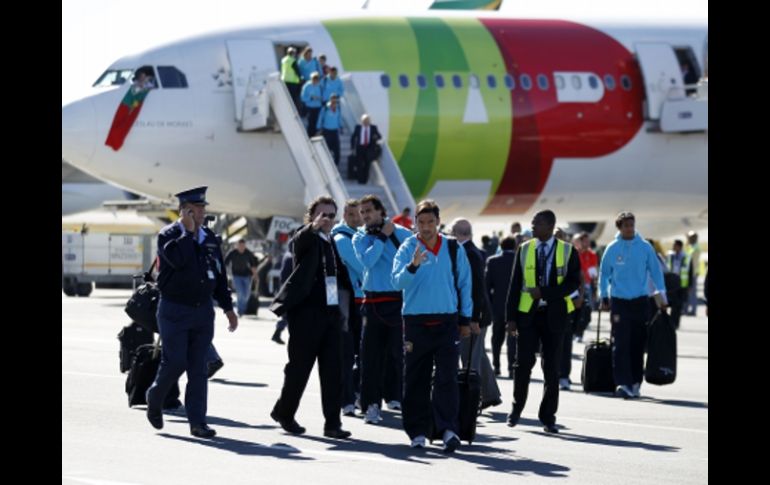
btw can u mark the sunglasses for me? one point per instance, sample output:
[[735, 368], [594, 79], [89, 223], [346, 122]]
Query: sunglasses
[[330, 215]]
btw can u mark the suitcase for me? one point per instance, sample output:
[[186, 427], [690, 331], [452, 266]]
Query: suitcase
[[252, 306], [131, 337], [596, 375], [144, 367], [352, 167], [660, 368], [469, 384]]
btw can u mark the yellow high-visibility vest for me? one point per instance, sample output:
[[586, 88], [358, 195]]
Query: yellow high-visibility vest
[[684, 270], [528, 262], [288, 74]]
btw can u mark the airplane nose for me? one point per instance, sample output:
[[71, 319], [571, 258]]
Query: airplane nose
[[78, 132]]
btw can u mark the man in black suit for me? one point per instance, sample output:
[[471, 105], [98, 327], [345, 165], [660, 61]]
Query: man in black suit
[[310, 300], [498, 279], [364, 142], [546, 272], [481, 317]]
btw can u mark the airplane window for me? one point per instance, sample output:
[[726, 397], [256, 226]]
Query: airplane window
[[421, 81], [439, 80], [509, 82], [559, 81], [609, 82], [491, 81], [625, 81], [171, 77], [474, 81], [385, 81], [525, 81], [576, 82], [403, 80], [457, 81], [113, 77], [593, 82], [542, 82]]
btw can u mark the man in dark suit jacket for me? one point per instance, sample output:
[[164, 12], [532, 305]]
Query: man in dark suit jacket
[[364, 142], [498, 279], [546, 272], [481, 317], [310, 299]]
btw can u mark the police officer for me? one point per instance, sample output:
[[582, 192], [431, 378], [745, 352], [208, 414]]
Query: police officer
[[191, 271], [546, 272], [423, 269]]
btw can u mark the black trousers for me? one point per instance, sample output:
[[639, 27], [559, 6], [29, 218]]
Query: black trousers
[[530, 338], [424, 345], [312, 120], [332, 138], [364, 162], [351, 365], [382, 359], [499, 335], [316, 333], [629, 335]]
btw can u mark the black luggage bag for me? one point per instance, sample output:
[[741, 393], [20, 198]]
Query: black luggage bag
[[660, 368], [352, 167], [596, 375], [131, 337], [252, 306], [142, 374]]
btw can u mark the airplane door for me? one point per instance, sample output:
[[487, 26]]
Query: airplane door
[[662, 75], [251, 61]]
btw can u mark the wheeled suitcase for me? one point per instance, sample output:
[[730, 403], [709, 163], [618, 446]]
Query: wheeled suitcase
[[596, 375], [352, 171], [660, 368], [252, 306], [142, 374], [131, 337]]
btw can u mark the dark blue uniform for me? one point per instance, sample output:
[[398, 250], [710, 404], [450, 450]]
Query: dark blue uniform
[[191, 271]]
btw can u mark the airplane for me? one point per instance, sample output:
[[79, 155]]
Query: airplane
[[494, 117], [81, 192]]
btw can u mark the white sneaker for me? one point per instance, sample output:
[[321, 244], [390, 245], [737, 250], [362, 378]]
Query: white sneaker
[[394, 405], [372, 415], [564, 384], [418, 442], [636, 388], [624, 392], [349, 410]]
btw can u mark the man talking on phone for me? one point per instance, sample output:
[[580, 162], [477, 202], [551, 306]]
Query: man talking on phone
[[191, 271]]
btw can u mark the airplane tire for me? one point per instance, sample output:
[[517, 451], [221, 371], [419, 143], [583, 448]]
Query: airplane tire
[[85, 289], [69, 289]]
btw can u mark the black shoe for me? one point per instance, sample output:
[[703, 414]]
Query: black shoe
[[290, 426], [513, 419], [490, 403], [202, 431], [214, 367], [497, 370], [338, 433], [550, 428], [277, 337], [155, 417]]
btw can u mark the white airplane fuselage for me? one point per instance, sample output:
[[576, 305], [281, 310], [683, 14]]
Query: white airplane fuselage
[[491, 152]]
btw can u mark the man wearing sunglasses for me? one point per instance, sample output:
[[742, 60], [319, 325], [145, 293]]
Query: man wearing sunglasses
[[310, 300]]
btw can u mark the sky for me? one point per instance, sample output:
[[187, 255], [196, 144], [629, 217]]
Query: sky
[[95, 33]]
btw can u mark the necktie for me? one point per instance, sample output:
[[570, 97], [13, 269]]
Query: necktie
[[542, 264], [366, 136]]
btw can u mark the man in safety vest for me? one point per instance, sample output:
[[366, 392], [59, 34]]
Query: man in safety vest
[[546, 271], [679, 262]]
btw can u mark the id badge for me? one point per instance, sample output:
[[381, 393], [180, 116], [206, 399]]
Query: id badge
[[211, 274], [332, 297]]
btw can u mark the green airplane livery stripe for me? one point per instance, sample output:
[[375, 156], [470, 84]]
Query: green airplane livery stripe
[[427, 131]]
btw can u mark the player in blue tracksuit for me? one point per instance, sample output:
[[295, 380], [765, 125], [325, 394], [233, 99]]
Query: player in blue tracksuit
[[623, 278], [382, 364], [343, 234], [433, 317]]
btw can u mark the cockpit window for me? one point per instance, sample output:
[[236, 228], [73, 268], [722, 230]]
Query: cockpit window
[[113, 77], [171, 77]]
